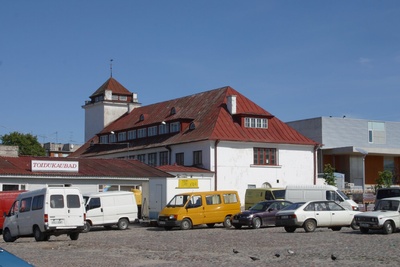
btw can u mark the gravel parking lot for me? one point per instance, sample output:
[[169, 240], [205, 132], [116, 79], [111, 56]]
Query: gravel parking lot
[[202, 246]]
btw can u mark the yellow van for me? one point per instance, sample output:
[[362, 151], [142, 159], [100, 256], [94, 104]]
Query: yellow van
[[188, 209], [255, 195]]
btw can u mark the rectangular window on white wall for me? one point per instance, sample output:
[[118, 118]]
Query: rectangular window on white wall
[[376, 132]]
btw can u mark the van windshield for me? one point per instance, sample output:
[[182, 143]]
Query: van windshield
[[178, 201], [279, 194]]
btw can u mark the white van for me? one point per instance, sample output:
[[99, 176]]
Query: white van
[[304, 193], [110, 208], [44, 212]]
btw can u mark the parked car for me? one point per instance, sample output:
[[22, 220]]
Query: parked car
[[313, 214], [260, 214], [386, 216]]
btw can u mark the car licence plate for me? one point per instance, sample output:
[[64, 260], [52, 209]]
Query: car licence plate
[[161, 223], [284, 217], [57, 221], [364, 225], [235, 221]]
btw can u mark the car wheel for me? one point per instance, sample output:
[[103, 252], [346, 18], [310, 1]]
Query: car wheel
[[388, 227], [227, 222], [39, 236], [123, 224], [256, 223], [237, 226], [7, 236], [336, 228], [86, 227], [290, 229], [364, 230], [186, 224], [354, 226], [74, 236], [210, 225], [310, 225]]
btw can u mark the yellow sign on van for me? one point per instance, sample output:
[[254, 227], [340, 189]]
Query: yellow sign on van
[[188, 183]]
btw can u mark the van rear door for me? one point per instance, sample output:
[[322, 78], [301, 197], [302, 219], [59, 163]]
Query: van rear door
[[66, 208]]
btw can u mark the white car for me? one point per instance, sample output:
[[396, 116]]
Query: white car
[[313, 214]]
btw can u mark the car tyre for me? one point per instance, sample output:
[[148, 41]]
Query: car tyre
[[354, 225], [227, 222], [39, 235], [388, 228], [364, 230], [74, 236], [7, 236], [256, 223], [123, 224], [290, 229], [86, 227], [310, 225], [186, 224]]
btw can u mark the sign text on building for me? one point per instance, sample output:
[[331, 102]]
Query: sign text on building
[[55, 166]]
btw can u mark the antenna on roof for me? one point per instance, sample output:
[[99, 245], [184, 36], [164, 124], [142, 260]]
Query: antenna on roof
[[111, 60]]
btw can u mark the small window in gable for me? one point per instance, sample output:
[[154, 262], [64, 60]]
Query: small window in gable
[[141, 118], [173, 111]]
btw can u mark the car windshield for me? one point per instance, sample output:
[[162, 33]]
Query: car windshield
[[294, 206], [388, 205], [178, 201], [261, 206]]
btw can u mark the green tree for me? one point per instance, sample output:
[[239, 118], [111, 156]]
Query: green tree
[[329, 175], [28, 144], [385, 179]]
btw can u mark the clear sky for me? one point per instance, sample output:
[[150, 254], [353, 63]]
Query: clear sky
[[296, 59]]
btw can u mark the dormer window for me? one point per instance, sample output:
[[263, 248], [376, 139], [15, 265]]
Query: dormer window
[[173, 111], [192, 126], [256, 123], [141, 118]]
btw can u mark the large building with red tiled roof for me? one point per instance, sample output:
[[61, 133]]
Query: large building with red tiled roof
[[220, 131]]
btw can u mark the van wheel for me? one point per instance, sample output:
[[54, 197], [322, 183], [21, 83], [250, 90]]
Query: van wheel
[[310, 225], [256, 223], [210, 225], [123, 224], [7, 236], [227, 222], [86, 227], [39, 236], [186, 224], [354, 226], [388, 227], [74, 236], [290, 229]]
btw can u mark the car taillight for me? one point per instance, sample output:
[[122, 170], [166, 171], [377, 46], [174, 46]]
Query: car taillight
[[293, 216], [355, 208], [46, 218]]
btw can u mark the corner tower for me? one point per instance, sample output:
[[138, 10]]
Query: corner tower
[[108, 103]]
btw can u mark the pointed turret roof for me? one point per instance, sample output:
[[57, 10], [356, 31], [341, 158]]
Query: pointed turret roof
[[113, 85]]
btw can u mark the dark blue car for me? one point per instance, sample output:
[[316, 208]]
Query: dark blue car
[[259, 215]]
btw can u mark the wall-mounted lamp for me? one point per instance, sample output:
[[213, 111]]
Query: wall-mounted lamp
[[112, 132], [163, 122]]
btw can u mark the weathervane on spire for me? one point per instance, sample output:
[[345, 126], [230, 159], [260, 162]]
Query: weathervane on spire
[[111, 60]]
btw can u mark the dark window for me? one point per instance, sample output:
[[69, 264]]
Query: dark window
[[197, 158], [56, 201], [164, 158], [179, 158], [37, 203], [141, 157], [94, 203], [152, 159], [264, 156], [73, 201], [9, 187], [25, 204]]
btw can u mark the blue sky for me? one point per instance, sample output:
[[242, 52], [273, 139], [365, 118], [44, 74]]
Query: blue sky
[[296, 59]]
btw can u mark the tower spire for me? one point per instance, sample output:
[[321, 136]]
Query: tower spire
[[111, 60]]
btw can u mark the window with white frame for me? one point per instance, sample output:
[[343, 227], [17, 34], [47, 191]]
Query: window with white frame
[[164, 158], [255, 123], [264, 156], [179, 159], [197, 158], [141, 132], [175, 127], [163, 129], [123, 98], [131, 134], [152, 159], [104, 139], [376, 132], [114, 97], [152, 131], [122, 136], [141, 157]]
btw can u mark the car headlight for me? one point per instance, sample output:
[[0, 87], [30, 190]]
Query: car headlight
[[172, 217]]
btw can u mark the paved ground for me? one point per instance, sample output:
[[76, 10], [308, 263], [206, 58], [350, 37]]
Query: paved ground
[[150, 246]]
